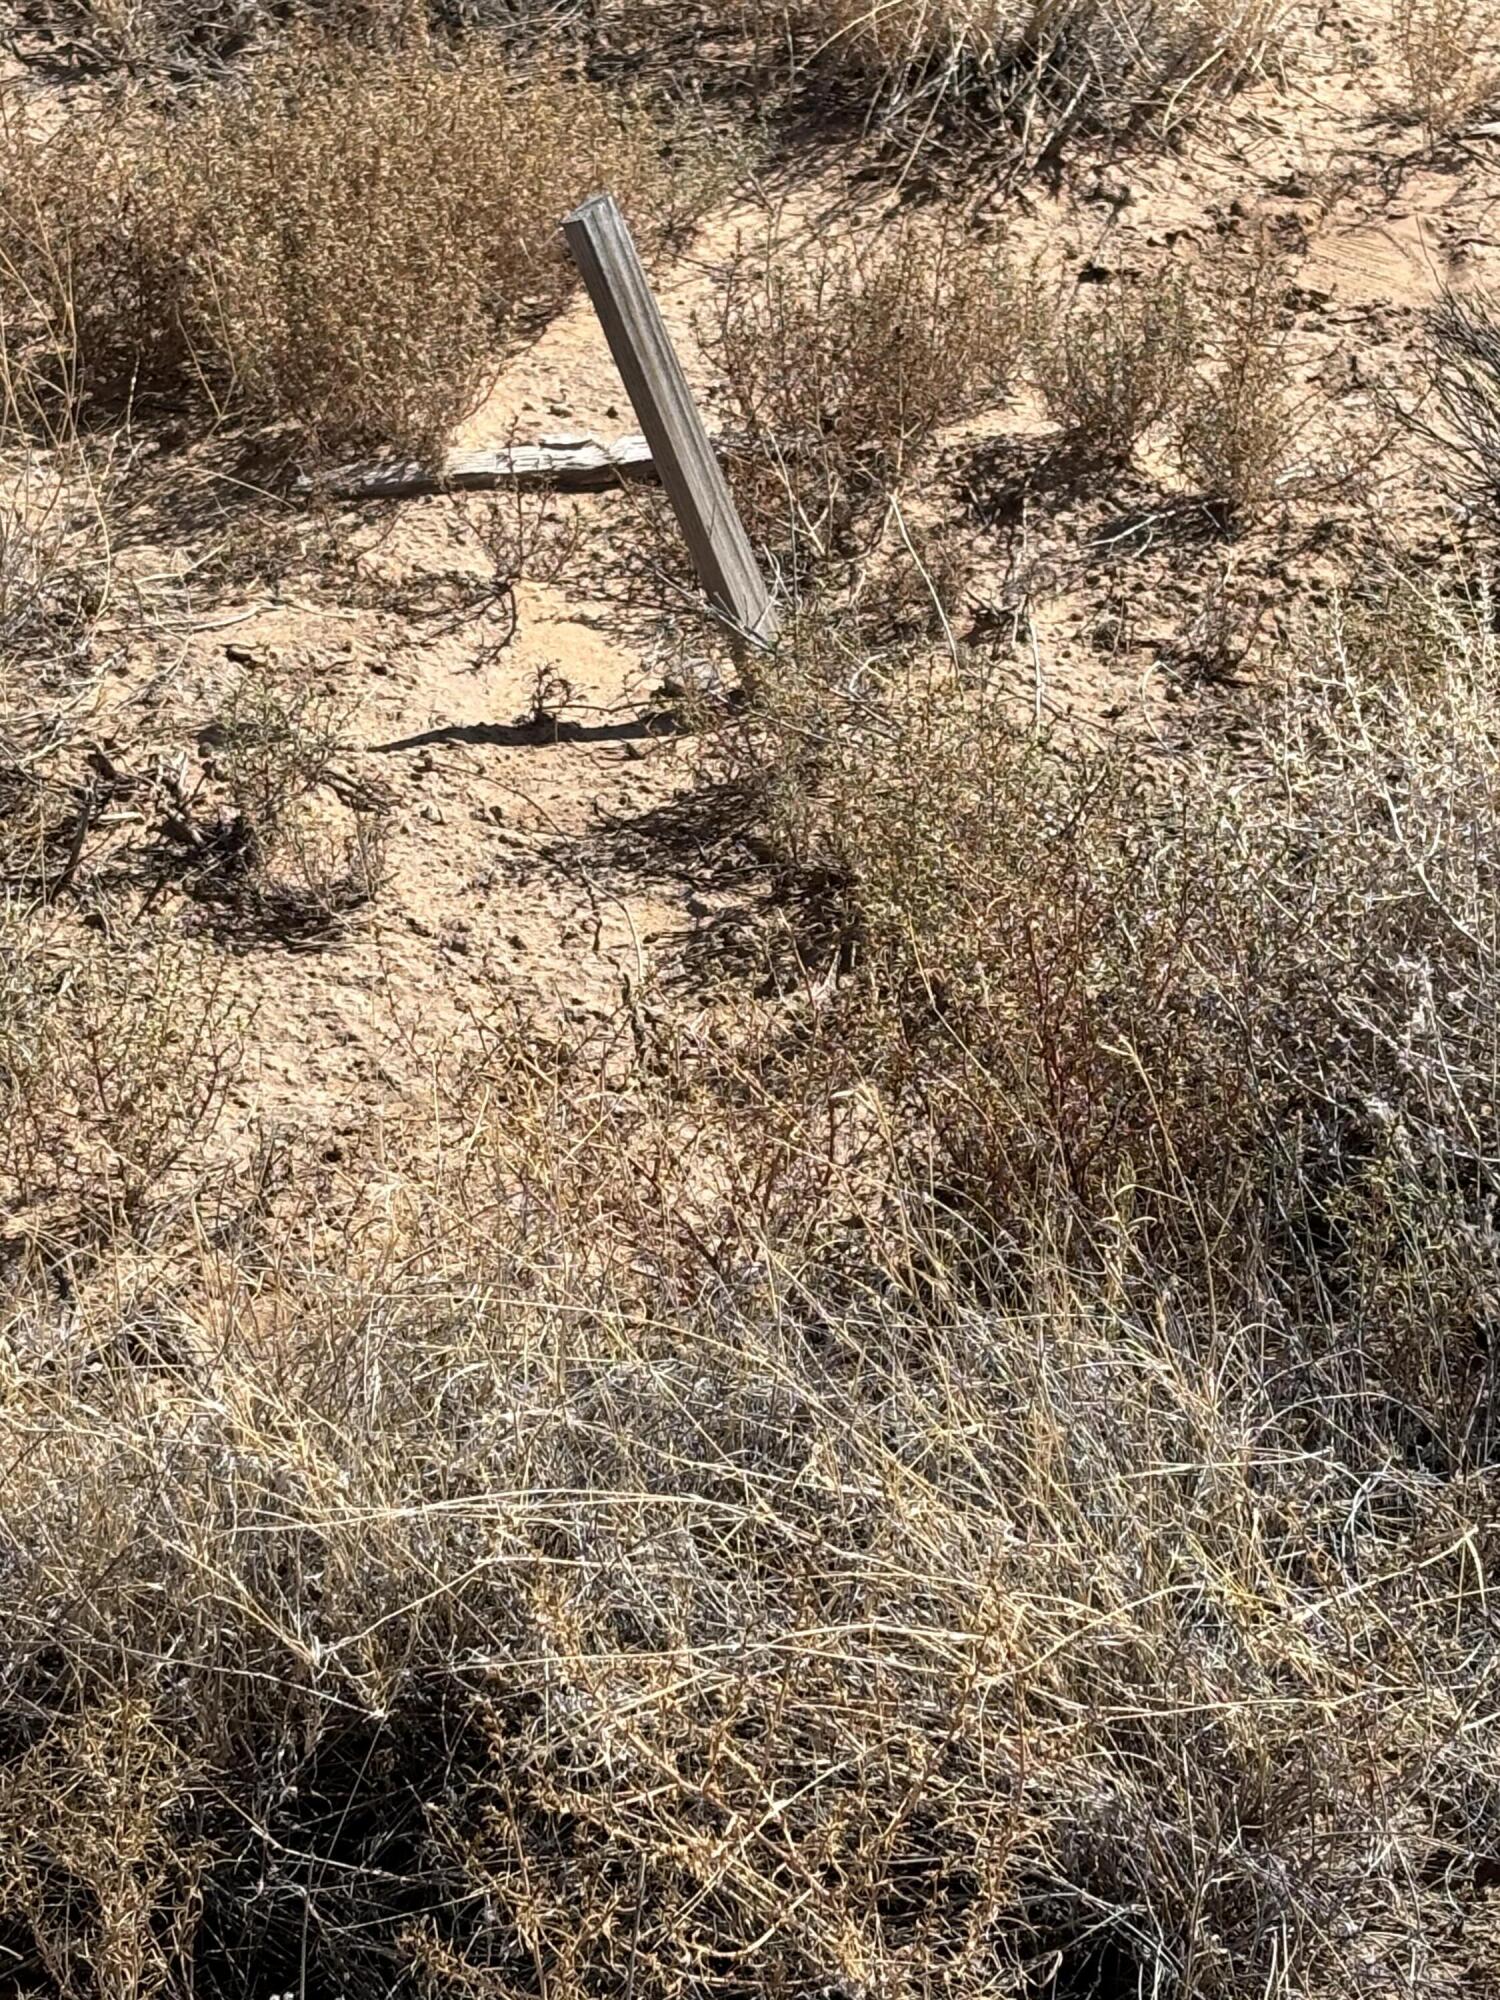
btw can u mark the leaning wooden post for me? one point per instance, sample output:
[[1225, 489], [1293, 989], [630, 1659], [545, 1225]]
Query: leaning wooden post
[[686, 464]]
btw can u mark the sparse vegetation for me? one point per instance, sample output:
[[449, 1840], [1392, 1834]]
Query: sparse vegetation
[[191, 38], [1043, 69], [1464, 336], [285, 840], [113, 1071], [941, 1441], [335, 247], [1235, 427], [1111, 367], [1450, 60], [1002, 1564], [842, 362]]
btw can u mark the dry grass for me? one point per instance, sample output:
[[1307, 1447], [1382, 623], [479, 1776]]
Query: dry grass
[[985, 1485], [1039, 68], [337, 246], [114, 1066], [1463, 333], [1111, 367], [282, 841], [187, 39], [1449, 51], [1007, 1502], [59, 633], [1236, 426], [976, 1479], [1244, 995]]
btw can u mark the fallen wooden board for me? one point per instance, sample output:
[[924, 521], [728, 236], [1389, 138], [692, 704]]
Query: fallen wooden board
[[568, 464]]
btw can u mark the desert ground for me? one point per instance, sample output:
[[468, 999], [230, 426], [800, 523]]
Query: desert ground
[[680, 1319]]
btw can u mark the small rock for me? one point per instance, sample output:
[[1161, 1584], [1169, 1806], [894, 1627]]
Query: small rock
[[433, 813], [247, 656]]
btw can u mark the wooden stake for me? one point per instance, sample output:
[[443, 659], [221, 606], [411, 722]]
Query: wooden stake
[[605, 254]]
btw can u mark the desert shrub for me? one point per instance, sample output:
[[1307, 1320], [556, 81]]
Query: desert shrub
[[285, 843], [1235, 426], [338, 245], [1043, 67], [1110, 366], [1250, 995], [61, 625], [841, 363], [897, 1500], [1463, 333], [95, 239], [1449, 52], [113, 1066], [569, 1571], [188, 38]]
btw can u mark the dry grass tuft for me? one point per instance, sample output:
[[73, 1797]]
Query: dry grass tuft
[[1449, 52], [288, 843], [338, 245], [114, 1066], [1463, 333], [1040, 68], [1236, 426]]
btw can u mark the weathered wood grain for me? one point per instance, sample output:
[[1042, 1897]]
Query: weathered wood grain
[[684, 457], [566, 464]]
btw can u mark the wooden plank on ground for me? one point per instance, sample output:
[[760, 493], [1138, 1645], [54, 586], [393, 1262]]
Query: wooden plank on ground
[[571, 465], [605, 254]]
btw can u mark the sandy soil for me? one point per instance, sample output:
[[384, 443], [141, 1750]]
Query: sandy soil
[[554, 867]]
